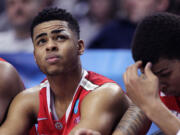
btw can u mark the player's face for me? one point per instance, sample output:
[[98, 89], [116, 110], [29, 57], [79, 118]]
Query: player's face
[[21, 12], [56, 47], [168, 72]]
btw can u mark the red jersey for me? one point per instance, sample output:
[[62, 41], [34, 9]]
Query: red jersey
[[2, 59], [172, 102], [48, 122]]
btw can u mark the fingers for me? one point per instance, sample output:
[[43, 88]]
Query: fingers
[[132, 72], [138, 64], [147, 70], [131, 76], [83, 131], [134, 68]]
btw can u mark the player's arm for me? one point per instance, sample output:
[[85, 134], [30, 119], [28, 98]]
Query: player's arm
[[21, 114], [102, 109], [134, 122], [10, 86], [144, 92], [160, 115]]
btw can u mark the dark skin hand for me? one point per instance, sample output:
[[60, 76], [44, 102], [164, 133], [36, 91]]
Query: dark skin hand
[[143, 90]]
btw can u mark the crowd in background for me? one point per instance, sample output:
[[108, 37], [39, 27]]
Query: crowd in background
[[104, 24]]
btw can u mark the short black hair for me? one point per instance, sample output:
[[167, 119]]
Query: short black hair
[[50, 14], [157, 36]]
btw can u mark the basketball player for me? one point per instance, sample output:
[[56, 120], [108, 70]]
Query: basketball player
[[70, 97], [156, 50], [10, 86]]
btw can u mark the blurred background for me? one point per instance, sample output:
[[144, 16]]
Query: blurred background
[[107, 27]]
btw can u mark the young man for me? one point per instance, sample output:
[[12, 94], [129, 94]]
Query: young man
[[71, 97], [156, 50], [10, 86]]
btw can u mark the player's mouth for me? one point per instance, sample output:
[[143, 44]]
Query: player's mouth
[[52, 58]]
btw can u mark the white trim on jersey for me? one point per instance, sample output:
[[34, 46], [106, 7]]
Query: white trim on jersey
[[162, 94], [44, 84], [48, 98], [86, 84], [178, 133], [52, 106], [84, 73]]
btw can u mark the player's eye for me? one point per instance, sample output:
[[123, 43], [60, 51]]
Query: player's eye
[[41, 41], [60, 38]]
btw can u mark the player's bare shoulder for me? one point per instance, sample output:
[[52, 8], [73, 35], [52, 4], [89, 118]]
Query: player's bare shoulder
[[29, 98], [108, 99], [33, 91], [108, 94], [10, 80], [112, 88], [109, 90]]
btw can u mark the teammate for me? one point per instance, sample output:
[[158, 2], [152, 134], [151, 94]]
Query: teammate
[[155, 49], [10, 86], [71, 97]]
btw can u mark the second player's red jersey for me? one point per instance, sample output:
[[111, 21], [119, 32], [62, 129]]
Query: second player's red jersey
[[172, 102], [1, 59]]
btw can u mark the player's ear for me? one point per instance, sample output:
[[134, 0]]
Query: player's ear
[[80, 47]]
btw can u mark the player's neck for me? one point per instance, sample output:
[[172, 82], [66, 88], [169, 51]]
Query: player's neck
[[64, 86]]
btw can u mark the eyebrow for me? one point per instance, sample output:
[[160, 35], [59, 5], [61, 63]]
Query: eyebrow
[[40, 35], [44, 34], [57, 31], [160, 71]]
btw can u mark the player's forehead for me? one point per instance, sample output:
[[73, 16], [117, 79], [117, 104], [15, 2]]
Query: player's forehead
[[164, 64], [49, 26]]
